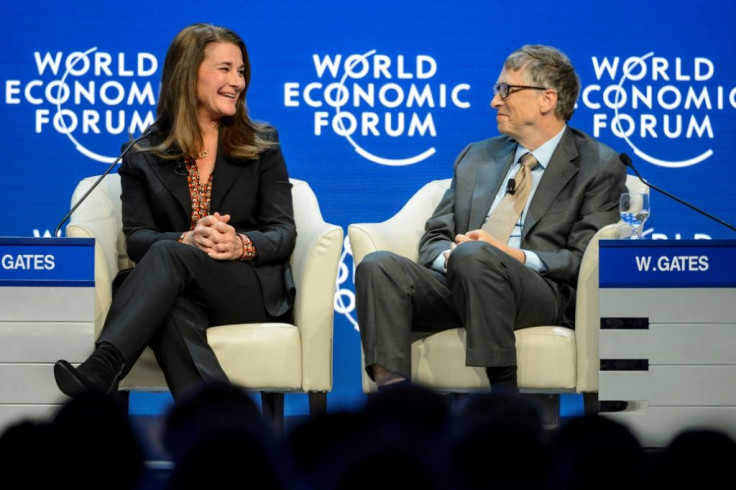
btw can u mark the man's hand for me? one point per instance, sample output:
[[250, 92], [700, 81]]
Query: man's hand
[[481, 235], [475, 235]]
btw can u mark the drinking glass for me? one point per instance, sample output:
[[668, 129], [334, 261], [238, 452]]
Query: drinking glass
[[634, 210]]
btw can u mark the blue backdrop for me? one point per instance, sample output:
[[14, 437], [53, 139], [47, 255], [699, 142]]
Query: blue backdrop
[[372, 99]]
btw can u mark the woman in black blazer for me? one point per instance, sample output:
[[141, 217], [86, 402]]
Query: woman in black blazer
[[208, 219]]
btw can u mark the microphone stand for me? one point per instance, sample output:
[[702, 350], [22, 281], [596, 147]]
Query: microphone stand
[[151, 130], [627, 161]]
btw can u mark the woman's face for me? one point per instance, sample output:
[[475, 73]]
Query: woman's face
[[219, 81]]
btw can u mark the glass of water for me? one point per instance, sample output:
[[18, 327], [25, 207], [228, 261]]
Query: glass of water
[[634, 210]]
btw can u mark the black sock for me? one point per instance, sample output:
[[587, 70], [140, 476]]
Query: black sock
[[502, 378]]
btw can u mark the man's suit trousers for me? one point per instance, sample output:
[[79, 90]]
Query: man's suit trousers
[[485, 290]]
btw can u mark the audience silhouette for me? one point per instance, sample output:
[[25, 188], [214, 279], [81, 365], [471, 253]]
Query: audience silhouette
[[400, 443], [404, 436], [592, 451], [315, 444], [26, 454], [88, 444], [96, 444], [496, 442], [217, 438], [696, 458]]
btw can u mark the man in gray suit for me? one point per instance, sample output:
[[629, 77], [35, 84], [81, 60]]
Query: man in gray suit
[[466, 276]]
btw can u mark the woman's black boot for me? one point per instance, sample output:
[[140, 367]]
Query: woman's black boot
[[101, 372]]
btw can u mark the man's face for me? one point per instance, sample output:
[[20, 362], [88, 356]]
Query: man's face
[[517, 114]]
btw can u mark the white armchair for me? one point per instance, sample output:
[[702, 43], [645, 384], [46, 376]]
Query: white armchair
[[551, 359], [271, 358]]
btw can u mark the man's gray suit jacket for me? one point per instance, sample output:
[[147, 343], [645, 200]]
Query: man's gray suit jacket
[[577, 195]]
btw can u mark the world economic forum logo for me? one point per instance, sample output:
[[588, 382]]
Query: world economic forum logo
[[85, 95], [647, 100], [383, 106]]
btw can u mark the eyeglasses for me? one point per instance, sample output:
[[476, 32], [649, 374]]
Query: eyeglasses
[[504, 89]]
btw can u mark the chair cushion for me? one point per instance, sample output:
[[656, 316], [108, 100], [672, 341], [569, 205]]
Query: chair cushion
[[546, 357], [259, 356]]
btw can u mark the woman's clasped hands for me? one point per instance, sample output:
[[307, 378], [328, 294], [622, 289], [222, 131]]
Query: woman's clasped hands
[[214, 236]]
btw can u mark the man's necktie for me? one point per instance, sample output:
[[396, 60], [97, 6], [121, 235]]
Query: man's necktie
[[501, 222]]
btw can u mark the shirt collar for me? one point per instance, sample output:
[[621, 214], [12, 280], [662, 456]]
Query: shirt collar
[[543, 154]]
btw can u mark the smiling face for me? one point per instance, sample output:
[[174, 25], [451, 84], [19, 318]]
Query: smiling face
[[220, 81], [517, 114]]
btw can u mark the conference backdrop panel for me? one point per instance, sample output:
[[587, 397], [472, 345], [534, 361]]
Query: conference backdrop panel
[[372, 99]]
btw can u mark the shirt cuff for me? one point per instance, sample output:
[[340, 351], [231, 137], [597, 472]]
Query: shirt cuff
[[439, 262], [534, 262], [249, 250]]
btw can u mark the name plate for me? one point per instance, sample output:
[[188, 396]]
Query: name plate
[[47, 262], [667, 263]]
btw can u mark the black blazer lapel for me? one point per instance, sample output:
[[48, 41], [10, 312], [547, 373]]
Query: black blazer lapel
[[226, 173], [176, 184]]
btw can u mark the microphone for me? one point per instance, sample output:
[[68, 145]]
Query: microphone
[[180, 168], [511, 187], [153, 129], [626, 160]]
